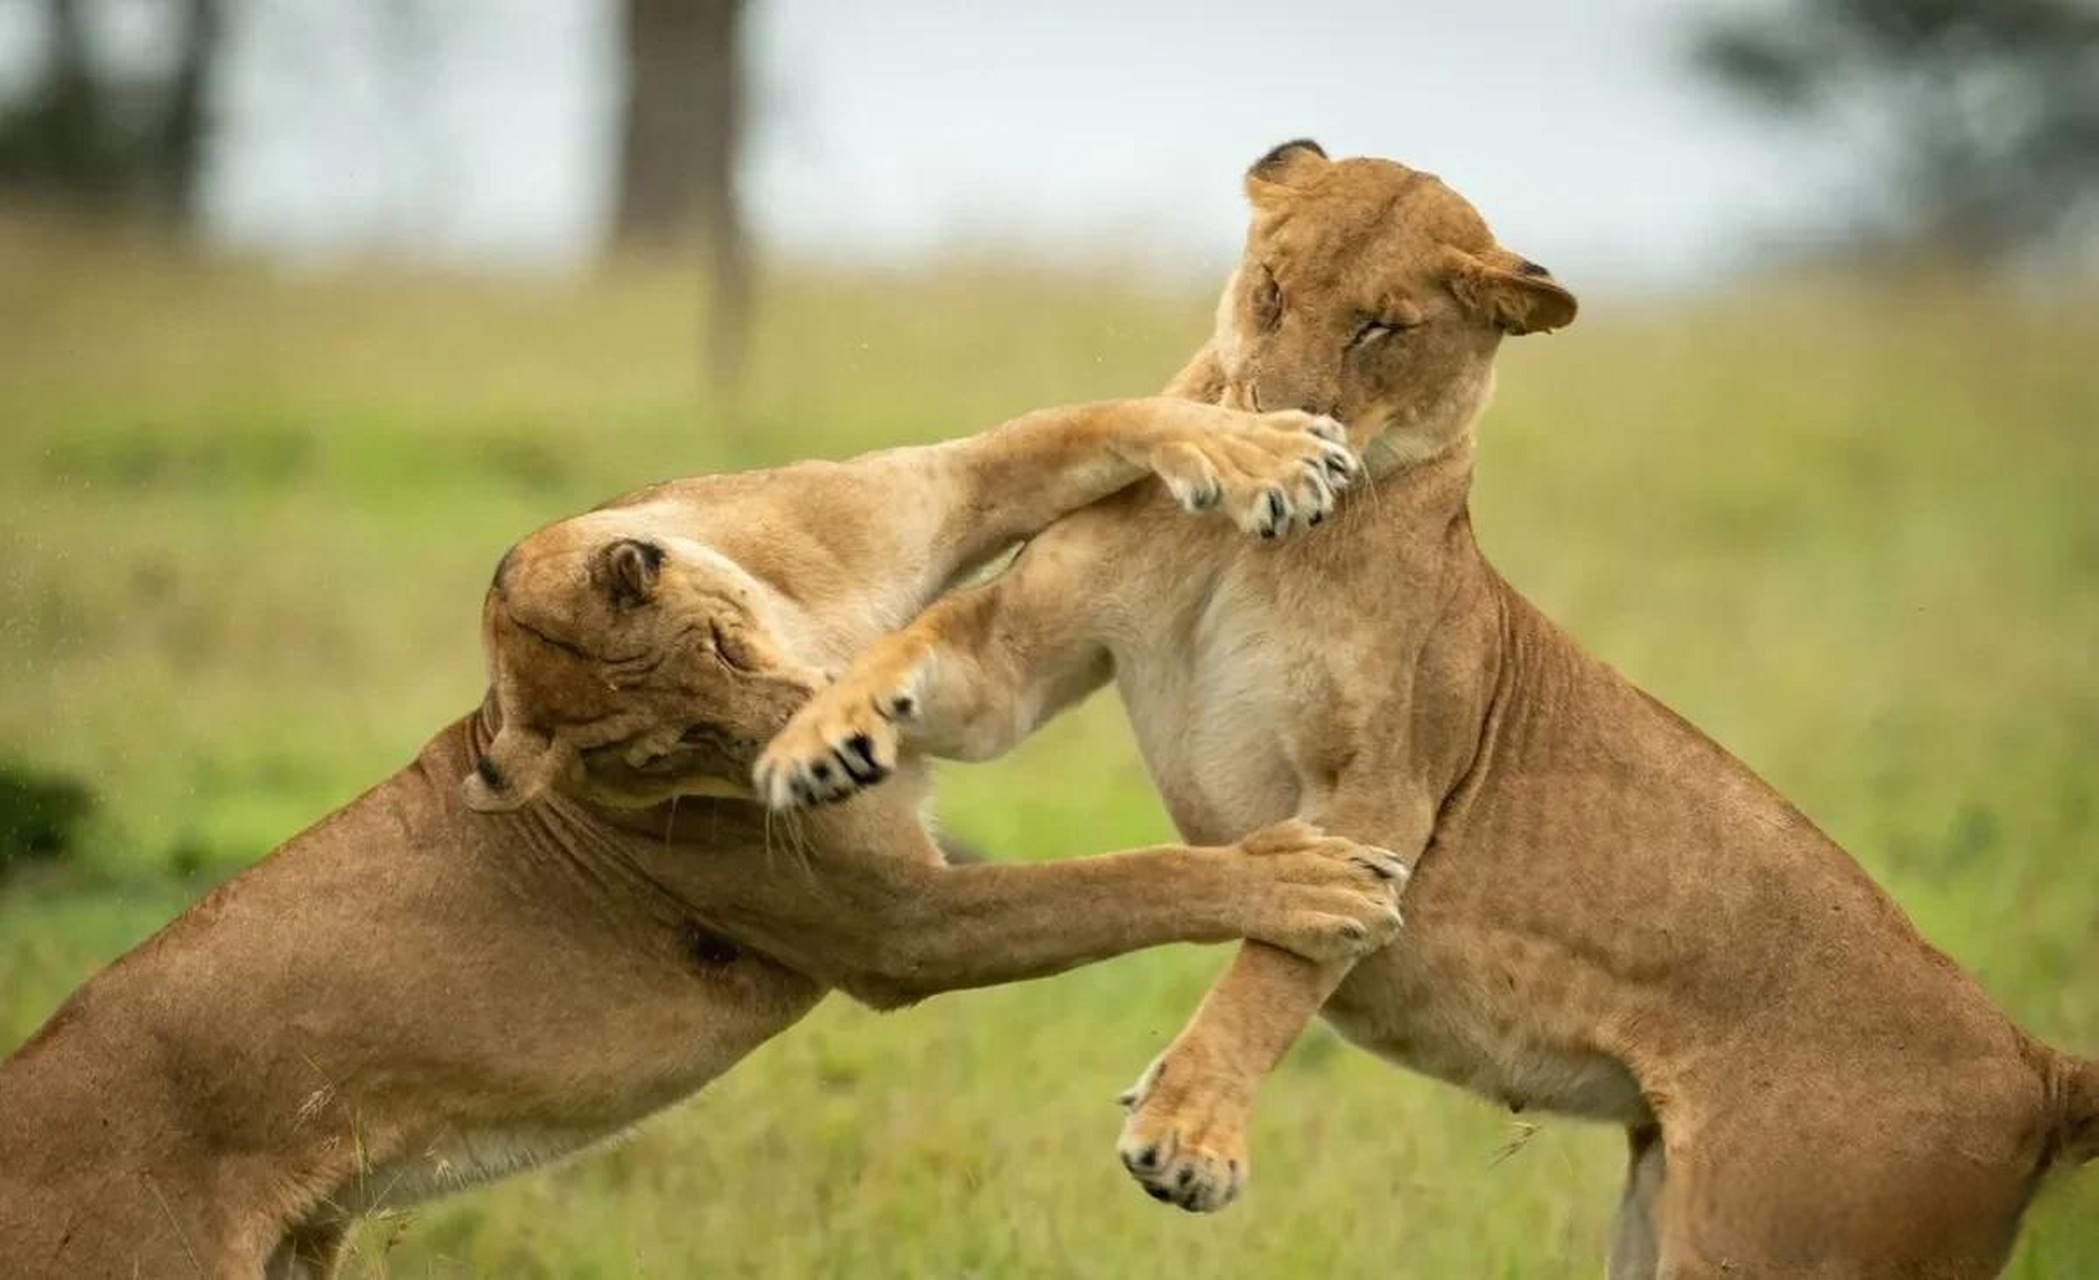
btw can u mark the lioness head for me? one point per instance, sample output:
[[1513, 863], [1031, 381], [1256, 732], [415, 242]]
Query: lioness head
[[628, 666], [1374, 293]]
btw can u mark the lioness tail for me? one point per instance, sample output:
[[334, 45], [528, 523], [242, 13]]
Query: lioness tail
[[2078, 1136]]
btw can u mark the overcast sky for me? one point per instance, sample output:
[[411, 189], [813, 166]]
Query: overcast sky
[[884, 131]]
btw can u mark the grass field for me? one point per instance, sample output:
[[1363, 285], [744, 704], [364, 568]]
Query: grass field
[[245, 523]]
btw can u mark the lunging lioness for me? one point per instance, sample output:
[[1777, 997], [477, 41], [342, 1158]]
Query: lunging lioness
[[413, 996], [1610, 916]]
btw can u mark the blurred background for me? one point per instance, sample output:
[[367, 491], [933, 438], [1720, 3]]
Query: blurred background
[[309, 308]]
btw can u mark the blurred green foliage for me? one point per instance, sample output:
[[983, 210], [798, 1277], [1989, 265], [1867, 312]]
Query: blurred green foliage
[[246, 520], [1982, 115]]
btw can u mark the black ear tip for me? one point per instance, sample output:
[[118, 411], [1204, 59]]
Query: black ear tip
[[1529, 268], [1277, 154], [1298, 144], [489, 773]]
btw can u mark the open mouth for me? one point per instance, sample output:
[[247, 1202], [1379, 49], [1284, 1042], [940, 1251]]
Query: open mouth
[[703, 760]]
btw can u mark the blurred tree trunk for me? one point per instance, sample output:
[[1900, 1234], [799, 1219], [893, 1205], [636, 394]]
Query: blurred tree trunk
[[65, 134], [115, 145], [178, 156], [684, 119]]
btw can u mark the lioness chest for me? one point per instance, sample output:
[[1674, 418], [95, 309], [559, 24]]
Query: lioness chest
[[1226, 697], [1264, 681], [1266, 688]]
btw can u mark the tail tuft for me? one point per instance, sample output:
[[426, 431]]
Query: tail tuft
[[2078, 1137]]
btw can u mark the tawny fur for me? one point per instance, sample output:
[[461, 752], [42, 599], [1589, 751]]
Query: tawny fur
[[413, 996], [1610, 917]]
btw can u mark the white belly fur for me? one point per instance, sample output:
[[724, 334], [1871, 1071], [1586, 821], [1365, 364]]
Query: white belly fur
[[1479, 1036]]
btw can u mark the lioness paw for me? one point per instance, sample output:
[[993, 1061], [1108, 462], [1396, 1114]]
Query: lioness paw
[[1184, 1143], [1327, 899], [842, 742], [1270, 473]]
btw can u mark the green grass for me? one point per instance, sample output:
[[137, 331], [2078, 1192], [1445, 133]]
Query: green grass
[[245, 522]]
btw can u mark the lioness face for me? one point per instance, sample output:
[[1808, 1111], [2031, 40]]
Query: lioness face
[[1374, 293], [628, 667]]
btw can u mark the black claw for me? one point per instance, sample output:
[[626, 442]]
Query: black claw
[[1275, 506], [1184, 1177], [1160, 1194], [857, 757]]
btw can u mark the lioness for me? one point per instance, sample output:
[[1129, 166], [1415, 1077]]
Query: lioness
[[1610, 917], [412, 997]]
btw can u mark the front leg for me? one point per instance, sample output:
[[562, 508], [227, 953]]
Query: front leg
[[968, 679], [1269, 472], [1295, 888], [901, 525], [892, 929], [1184, 1139]]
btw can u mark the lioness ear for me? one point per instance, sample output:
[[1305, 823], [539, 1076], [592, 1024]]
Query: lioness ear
[[1514, 294], [630, 570], [1283, 170], [517, 766]]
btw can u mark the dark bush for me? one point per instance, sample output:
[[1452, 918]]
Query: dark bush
[[41, 815]]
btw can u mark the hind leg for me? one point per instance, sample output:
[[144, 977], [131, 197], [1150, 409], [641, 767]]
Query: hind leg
[[1636, 1238], [1715, 1226], [1859, 1182]]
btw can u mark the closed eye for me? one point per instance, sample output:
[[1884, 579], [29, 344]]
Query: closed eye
[[731, 649], [1371, 328], [1267, 301]]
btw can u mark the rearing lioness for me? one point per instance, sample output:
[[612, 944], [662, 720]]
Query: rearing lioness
[[412, 997], [1611, 916]]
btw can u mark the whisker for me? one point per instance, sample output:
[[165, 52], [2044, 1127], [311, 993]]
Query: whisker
[[768, 839], [670, 823], [802, 847]]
